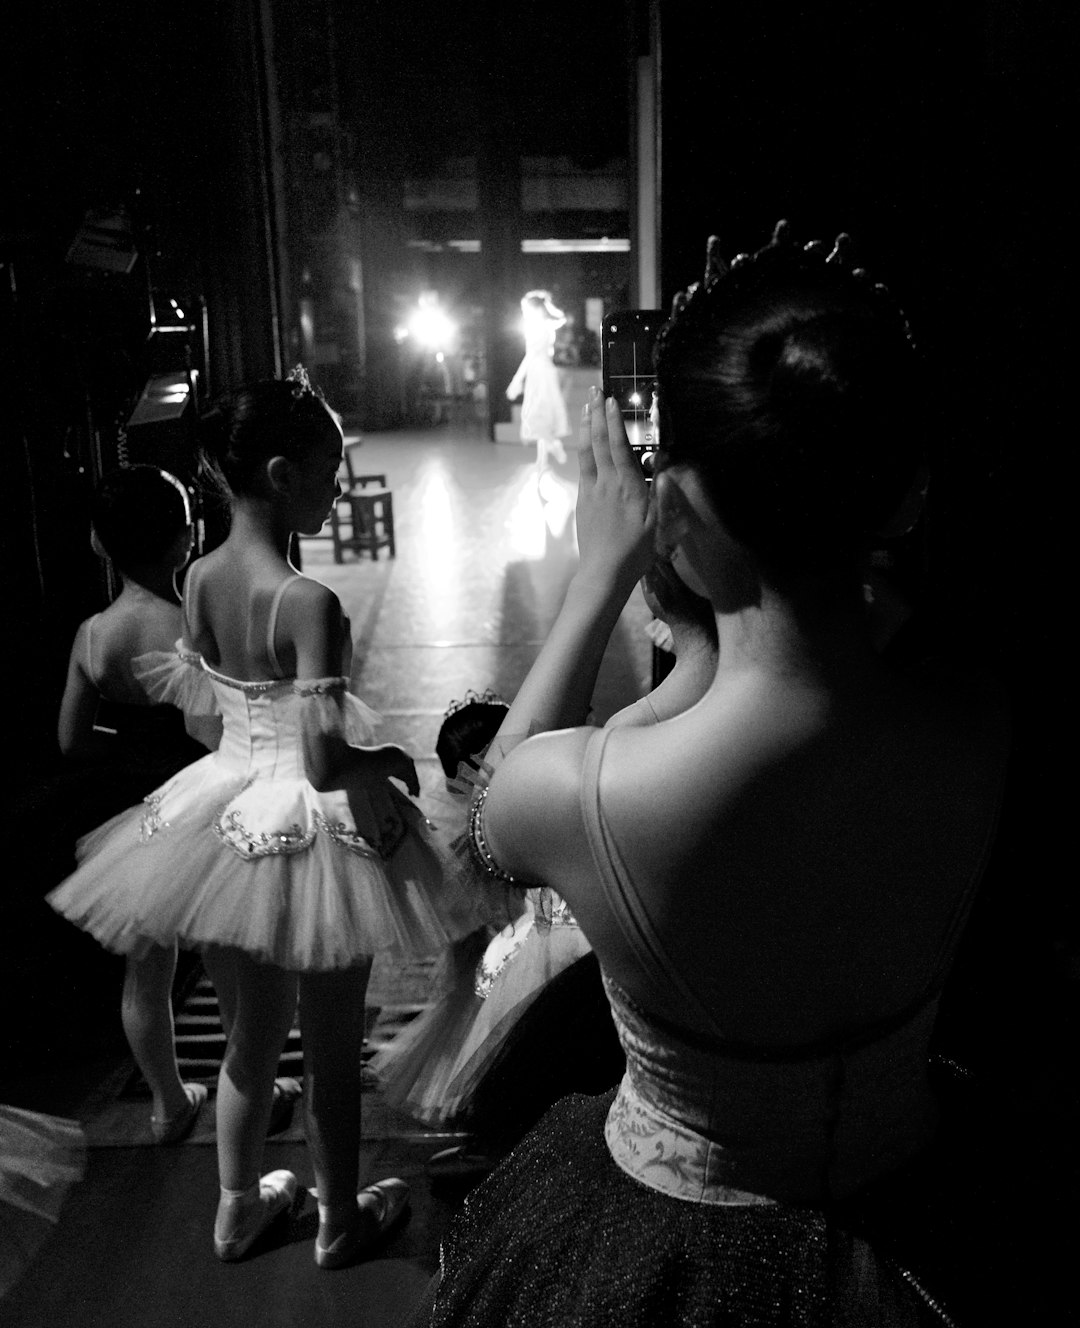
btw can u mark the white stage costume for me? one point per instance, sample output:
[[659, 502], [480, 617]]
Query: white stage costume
[[240, 849]]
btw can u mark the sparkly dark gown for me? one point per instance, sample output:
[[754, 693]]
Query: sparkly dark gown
[[721, 1183]]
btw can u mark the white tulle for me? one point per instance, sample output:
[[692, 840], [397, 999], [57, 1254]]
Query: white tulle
[[432, 1069], [241, 849], [41, 1158]]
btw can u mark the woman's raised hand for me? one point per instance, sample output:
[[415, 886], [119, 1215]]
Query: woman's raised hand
[[614, 517]]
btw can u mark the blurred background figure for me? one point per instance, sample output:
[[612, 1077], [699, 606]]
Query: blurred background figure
[[543, 412]]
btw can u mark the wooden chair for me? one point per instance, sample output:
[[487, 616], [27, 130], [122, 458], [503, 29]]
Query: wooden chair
[[363, 516]]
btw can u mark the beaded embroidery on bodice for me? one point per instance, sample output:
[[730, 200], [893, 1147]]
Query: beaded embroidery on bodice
[[722, 1124]]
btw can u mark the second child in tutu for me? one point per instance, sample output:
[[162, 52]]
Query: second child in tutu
[[288, 856]]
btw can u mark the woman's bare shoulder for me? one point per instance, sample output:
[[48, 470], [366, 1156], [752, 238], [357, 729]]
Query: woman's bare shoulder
[[533, 804]]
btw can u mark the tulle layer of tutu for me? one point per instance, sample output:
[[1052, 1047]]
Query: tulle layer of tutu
[[41, 1158], [417, 1068], [271, 867], [433, 1069]]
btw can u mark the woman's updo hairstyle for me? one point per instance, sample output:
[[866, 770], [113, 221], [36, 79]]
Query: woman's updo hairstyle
[[246, 428], [467, 730], [789, 382], [138, 513]]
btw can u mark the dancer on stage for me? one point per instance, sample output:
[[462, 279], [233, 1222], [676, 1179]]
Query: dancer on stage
[[543, 410]]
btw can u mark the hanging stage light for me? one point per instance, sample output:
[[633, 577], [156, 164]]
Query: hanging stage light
[[160, 430]]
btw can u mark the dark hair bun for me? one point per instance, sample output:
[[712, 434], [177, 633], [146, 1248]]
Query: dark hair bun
[[249, 426], [790, 383], [137, 513], [467, 730]]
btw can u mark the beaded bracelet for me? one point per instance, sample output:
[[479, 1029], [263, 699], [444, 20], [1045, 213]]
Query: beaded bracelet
[[479, 852]]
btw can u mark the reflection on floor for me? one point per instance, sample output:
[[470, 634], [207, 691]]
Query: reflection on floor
[[485, 547]]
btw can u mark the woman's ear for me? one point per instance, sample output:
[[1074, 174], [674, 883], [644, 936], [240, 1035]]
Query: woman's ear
[[677, 522], [279, 473], [673, 511]]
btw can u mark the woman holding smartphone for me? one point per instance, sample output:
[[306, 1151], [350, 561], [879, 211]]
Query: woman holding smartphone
[[774, 881]]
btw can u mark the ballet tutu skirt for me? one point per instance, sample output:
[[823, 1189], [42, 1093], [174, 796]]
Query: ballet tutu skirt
[[41, 1158], [543, 409], [433, 1069], [558, 1236], [240, 849]]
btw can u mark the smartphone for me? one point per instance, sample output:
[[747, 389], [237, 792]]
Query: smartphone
[[627, 342]]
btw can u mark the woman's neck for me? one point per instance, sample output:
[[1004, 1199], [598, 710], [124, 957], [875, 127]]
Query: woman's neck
[[158, 582], [820, 637], [257, 523]]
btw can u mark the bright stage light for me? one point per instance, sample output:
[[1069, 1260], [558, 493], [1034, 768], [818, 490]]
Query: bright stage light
[[432, 327]]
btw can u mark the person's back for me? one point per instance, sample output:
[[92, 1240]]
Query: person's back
[[774, 880], [243, 614], [141, 521], [823, 838]]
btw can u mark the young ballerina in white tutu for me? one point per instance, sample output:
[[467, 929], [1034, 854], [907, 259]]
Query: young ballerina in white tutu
[[544, 420], [287, 856], [141, 522]]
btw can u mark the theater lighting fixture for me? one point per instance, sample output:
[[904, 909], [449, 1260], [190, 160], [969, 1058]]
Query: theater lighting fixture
[[587, 245], [430, 325], [163, 398], [602, 245], [104, 242]]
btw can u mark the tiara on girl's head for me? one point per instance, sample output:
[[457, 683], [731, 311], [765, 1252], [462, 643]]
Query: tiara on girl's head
[[486, 697], [301, 384], [782, 248]]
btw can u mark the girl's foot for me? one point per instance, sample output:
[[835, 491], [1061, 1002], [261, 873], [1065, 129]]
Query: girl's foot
[[242, 1218], [171, 1129], [378, 1207]]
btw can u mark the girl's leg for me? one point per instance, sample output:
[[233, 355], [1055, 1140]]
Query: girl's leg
[[332, 1020], [224, 983], [146, 1011], [285, 1090], [332, 1017], [265, 1003]]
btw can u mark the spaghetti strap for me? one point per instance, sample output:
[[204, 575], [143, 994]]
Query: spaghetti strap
[[271, 622], [648, 948], [185, 601], [90, 672], [623, 900]]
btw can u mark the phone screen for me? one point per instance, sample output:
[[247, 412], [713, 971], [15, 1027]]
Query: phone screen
[[627, 346]]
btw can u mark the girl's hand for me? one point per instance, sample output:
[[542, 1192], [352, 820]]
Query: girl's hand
[[376, 806], [615, 522], [389, 762]]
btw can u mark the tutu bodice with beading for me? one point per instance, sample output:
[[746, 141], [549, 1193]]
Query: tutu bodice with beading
[[718, 1123], [241, 849]]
